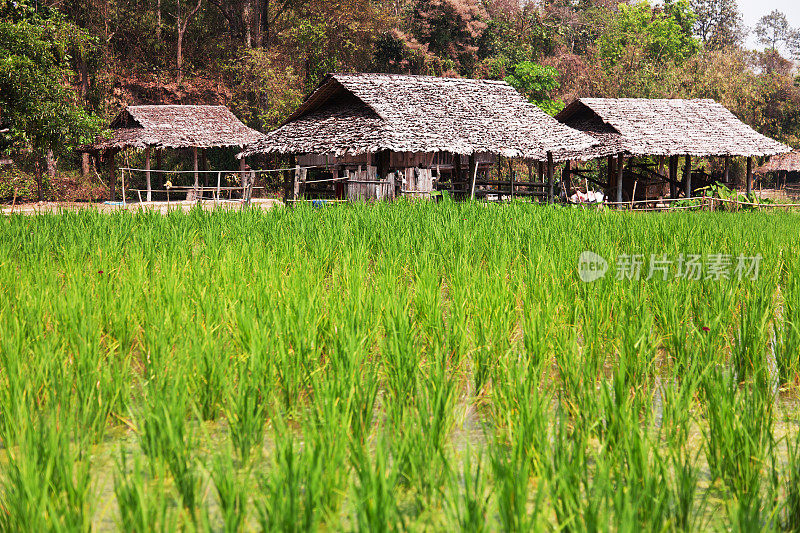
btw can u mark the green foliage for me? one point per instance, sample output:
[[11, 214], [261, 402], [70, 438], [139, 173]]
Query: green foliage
[[537, 83], [662, 38], [37, 103]]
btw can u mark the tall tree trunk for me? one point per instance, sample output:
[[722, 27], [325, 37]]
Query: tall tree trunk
[[247, 20], [182, 25], [158, 21], [85, 164], [37, 169], [265, 26], [51, 165]]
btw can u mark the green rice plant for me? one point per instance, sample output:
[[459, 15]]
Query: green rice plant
[[641, 497], [400, 358], [787, 333], [378, 340], [374, 491], [210, 377], [578, 484], [296, 493], [232, 491], [422, 453], [468, 496], [143, 502], [749, 353], [47, 482], [738, 436], [246, 412], [165, 436]]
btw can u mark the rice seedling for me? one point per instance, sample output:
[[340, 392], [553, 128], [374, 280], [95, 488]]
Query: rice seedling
[[232, 491], [144, 504], [396, 366]]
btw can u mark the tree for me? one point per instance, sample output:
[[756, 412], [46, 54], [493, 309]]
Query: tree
[[773, 29], [794, 45], [40, 107], [181, 24], [718, 23], [450, 29], [537, 83]]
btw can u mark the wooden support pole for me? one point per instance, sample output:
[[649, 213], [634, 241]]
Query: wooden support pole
[[473, 167], [511, 181], [620, 174], [727, 171], [567, 175], [196, 173], [219, 182], [124, 201], [673, 176], [160, 166], [112, 177], [550, 177], [296, 183], [243, 175], [147, 174], [687, 178], [749, 176]]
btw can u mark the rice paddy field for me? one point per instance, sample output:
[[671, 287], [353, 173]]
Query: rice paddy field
[[404, 366]]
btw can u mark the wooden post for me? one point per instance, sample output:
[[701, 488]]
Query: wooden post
[[620, 173], [673, 176], [567, 175], [457, 177], [124, 201], [550, 177], [112, 177], [147, 173], [512, 184], [727, 171], [687, 179], [219, 182], [296, 183], [243, 175], [160, 166], [287, 184], [196, 174], [473, 167], [749, 177]]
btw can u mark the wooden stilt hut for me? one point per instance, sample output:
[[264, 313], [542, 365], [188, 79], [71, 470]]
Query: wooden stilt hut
[[377, 136], [644, 140], [155, 128]]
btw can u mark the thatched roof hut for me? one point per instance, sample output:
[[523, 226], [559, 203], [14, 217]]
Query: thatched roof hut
[[664, 127], [159, 127], [176, 126], [781, 163], [352, 115]]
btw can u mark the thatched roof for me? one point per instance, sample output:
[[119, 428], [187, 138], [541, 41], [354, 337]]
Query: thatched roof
[[789, 162], [367, 113], [176, 126], [665, 127]]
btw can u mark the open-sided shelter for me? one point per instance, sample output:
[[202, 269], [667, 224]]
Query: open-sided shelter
[[161, 127], [379, 135], [663, 129]]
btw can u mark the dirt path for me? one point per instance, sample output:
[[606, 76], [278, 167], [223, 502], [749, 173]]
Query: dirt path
[[160, 207]]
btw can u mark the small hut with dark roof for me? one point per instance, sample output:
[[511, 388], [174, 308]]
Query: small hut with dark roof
[[160, 127], [629, 128], [783, 165], [378, 135]]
